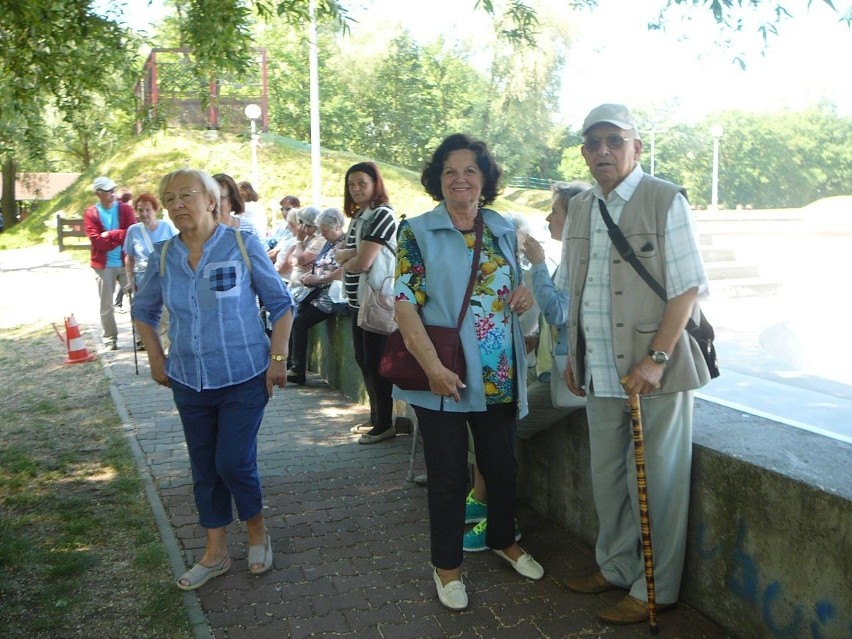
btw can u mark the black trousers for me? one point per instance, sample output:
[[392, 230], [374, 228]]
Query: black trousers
[[369, 347], [445, 449], [306, 317]]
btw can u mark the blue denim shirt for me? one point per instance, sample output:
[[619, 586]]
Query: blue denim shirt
[[217, 336]]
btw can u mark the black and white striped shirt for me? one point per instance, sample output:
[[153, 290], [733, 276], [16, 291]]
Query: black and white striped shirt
[[379, 227]]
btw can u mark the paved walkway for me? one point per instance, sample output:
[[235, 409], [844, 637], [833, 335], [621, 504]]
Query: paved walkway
[[350, 534]]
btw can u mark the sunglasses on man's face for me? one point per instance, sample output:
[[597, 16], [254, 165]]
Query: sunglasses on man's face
[[613, 142]]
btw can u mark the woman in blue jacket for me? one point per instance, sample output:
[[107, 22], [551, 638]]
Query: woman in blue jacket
[[433, 267]]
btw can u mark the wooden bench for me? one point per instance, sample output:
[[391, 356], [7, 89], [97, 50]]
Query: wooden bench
[[70, 227]]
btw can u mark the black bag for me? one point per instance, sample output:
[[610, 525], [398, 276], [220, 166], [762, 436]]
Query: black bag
[[703, 332]]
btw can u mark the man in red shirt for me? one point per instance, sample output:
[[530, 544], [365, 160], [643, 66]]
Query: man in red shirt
[[106, 224]]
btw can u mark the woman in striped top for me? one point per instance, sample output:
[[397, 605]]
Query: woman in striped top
[[372, 227]]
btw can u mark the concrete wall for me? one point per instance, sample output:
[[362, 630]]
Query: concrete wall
[[770, 534]]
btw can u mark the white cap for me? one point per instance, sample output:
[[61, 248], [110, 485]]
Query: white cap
[[103, 183], [616, 114]]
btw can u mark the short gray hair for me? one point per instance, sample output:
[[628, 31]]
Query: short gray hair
[[308, 215], [209, 186], [331, 217], [293, 216], [564, 191]]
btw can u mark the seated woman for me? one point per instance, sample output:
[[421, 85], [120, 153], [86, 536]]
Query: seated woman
[[286, 245], [318, 306], [308, 245], [282, 231]]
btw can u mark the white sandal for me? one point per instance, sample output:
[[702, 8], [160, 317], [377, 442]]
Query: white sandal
[[260, 554], [200, 574]]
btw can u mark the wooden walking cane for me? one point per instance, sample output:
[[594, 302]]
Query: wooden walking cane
[[644, 517]]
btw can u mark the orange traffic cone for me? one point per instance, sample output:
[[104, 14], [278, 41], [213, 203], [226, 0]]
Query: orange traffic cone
[[77, 352]]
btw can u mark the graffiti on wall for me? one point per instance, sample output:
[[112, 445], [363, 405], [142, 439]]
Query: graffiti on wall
[[821, 620]]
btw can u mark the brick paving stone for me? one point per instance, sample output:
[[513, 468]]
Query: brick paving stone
[[352, 600], [332, 623], [359, 619], [420, 628], [351, 536]]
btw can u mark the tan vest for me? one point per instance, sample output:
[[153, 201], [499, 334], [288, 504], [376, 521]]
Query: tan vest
[[636, 309]]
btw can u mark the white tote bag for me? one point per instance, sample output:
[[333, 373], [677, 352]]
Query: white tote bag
[[560, 395]]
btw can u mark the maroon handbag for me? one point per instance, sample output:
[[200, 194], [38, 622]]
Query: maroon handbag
[[401, 368]]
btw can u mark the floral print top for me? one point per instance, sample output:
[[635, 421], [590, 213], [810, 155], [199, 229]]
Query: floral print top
[[492, 316]]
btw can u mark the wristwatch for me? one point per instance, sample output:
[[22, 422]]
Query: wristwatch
[[278, 358], [659, 357]]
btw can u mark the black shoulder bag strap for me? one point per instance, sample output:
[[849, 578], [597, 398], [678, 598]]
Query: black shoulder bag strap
[[623, 247]]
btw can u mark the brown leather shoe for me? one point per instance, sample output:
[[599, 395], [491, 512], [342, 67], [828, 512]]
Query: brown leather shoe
[[629, 610], [590, 584]]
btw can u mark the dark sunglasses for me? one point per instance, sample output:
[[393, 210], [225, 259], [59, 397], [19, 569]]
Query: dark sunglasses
[[613, 143]]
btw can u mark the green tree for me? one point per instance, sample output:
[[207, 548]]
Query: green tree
[[58, 55]]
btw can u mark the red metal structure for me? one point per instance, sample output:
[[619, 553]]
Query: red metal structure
[[169, 91]]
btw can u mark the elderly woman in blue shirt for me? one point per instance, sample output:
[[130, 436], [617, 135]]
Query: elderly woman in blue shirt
[[220, 367], [435, 254]]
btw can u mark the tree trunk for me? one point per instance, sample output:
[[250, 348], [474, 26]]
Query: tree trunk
[[9, 205]]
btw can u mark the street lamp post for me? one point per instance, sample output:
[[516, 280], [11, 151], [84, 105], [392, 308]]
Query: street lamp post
[[716, 132], [653, 151], [253, 112]]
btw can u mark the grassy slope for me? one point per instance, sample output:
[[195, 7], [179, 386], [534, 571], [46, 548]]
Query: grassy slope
[[285, 168]]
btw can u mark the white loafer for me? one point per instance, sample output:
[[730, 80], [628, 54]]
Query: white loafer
[[526, 566], [453, 595]]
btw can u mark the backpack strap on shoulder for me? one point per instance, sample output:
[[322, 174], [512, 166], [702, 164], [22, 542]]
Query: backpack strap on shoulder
[[163, 256], [242, 246]]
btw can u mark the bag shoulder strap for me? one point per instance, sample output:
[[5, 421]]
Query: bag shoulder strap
[[240, 243], [616, 235], [474, 267]]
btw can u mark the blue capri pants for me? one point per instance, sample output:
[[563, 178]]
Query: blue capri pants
[[220, 426]]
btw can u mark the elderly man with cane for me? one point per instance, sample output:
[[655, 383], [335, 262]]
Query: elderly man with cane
[[627, 341]]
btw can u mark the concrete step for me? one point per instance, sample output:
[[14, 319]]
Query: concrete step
[[744, 287], [731, 270]]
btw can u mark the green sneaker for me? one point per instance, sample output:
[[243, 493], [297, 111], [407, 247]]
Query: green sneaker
[[474, 510], [474, 539]]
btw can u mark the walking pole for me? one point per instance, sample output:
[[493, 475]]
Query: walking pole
[[133, 330], [644, 517]]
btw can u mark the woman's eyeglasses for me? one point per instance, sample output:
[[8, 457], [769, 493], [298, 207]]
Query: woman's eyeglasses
[[613, 143], [183, 196]]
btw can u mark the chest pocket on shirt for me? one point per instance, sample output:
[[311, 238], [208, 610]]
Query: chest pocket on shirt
[[223, 278]]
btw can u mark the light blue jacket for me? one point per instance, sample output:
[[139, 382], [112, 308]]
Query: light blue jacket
[[447, 261]]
